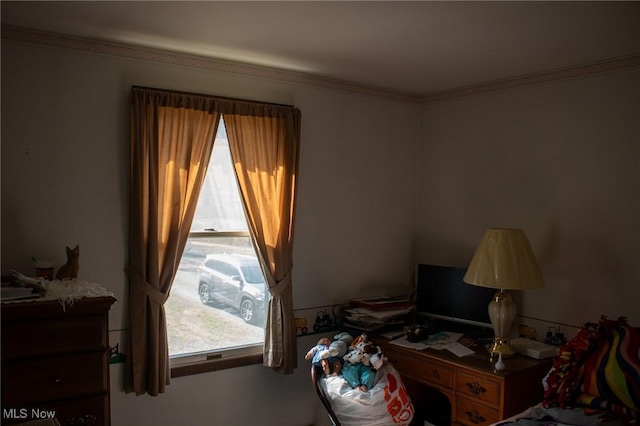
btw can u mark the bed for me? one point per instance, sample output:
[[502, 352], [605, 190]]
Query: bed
[[594, 380]]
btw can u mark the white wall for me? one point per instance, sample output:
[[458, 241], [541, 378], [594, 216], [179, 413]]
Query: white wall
[[560, 160], [65, 176]]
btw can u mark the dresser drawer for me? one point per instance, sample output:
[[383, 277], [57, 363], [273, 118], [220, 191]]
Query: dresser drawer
[[434, 373], [58, 377], [27, 338], [89, 411], [478, 387], [83, 411], [472, 413]]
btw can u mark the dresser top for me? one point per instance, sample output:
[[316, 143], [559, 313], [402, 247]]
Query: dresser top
[[40, 309]]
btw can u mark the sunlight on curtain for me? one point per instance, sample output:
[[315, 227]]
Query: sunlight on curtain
[[172, 136], [267, 173], [167, 144]]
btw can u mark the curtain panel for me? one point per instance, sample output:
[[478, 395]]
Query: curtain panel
[[172, 137], [267, 174]]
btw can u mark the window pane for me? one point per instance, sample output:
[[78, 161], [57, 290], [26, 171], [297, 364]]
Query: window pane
[[218, 298], [219, 207]]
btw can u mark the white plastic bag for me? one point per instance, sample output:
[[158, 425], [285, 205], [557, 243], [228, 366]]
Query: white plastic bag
[[386, 404]]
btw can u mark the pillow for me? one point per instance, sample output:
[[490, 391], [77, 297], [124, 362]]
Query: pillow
[[611, 375]]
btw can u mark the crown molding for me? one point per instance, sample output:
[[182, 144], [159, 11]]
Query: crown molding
[[194, 61], [534, 79], [238, 68]]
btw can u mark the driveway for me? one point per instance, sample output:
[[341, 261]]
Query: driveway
[[195, 327]]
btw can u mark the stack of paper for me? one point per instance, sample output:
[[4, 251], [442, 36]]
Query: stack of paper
[[373, 320]]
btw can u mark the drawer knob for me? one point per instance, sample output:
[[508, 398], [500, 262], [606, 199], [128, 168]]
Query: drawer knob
[[436, 375], [475, 417], [475, 388], [56, 380], [54, 338]]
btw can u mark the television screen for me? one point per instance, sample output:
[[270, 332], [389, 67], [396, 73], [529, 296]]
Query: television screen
[[442, 294]]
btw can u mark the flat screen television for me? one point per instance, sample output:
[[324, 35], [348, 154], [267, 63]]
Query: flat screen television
[[441, 294]]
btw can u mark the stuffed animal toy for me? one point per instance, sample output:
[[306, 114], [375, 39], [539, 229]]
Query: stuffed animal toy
[[356, 356], [344, 337], [356, 370], [371, 354], [341, 342], [361, 338], [376, 359], [325, 356], [71, 268]]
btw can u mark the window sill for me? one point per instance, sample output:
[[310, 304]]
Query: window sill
[[215, 365]]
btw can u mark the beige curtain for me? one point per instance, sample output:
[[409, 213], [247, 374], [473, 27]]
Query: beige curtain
[[172, 137], [264, 147]]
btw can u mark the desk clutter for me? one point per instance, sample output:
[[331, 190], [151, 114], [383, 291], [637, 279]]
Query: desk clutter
[[378, 313], [450, 341]]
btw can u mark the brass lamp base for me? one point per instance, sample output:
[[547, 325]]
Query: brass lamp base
[[502, 312], [501, 346]]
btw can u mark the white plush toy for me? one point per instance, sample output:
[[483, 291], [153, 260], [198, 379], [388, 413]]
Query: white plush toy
[[370, 352], [357, 356], [376, 359]]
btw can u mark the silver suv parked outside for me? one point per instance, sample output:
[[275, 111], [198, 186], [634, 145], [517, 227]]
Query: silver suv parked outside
[[234, 280]]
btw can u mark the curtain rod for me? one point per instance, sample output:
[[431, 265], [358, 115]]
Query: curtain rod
[[223, 98]]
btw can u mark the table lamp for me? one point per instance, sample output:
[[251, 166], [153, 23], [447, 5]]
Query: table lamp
[[504, 260]]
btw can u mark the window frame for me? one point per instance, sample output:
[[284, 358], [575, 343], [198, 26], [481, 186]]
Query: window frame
[[218, 359]]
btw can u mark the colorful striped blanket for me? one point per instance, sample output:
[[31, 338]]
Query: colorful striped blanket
[[599, 369]]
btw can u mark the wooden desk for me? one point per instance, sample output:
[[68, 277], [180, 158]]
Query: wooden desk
[[478, 394]]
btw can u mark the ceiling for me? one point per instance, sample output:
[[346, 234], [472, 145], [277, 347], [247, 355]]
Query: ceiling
[[415, 47]]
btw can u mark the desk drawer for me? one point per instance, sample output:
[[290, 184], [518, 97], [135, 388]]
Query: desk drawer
[[434, 373], [39, 380], [27, 338], [478, 387], [471, 413]]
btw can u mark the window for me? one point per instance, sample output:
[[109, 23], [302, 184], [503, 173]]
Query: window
[[218, 301], [170, 137]]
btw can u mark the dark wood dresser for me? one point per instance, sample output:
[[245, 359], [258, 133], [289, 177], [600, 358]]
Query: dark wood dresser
[[55, 361]]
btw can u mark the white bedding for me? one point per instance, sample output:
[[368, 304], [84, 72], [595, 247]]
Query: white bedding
[[555, 416]]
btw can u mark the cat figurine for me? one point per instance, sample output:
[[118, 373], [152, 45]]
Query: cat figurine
[[70, 269]]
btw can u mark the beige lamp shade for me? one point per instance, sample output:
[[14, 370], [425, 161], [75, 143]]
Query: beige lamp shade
[[504, 260]]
